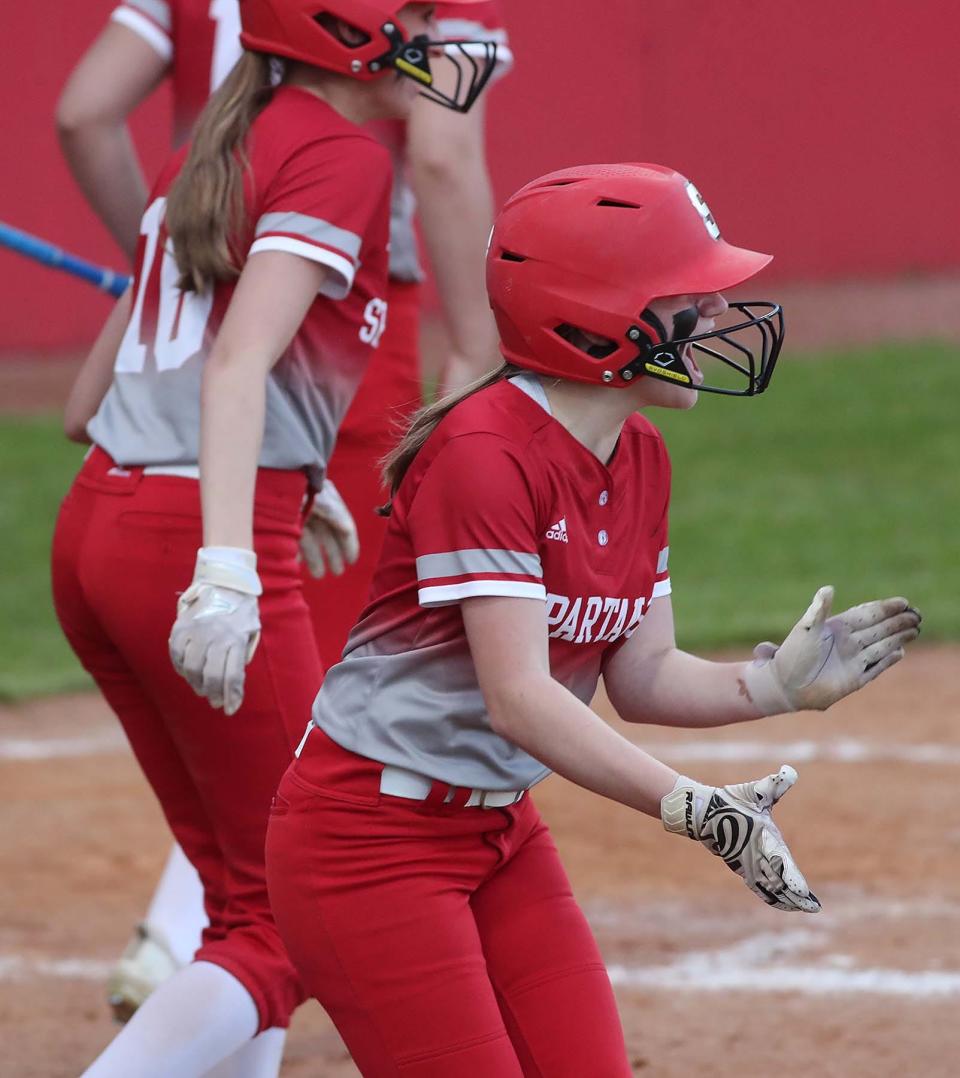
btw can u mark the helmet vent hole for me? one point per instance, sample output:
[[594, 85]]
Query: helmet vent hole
[[509, 256], [350, 36], [617, 204], [595, 346]]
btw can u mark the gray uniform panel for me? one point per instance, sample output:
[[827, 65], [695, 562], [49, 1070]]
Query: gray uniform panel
[[422, 709], [153, 417]]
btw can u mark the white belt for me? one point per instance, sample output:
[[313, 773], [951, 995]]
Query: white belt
[[184, 471], [398, 782]]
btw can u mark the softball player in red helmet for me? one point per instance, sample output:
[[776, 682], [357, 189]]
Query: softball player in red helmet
[[257, 301], [416, 888]]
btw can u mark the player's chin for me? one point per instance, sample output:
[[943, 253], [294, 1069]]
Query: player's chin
[[677, 398], [395, 97], [687, 399]]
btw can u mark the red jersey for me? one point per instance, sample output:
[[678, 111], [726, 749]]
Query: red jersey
[[200, 40], [318, 187], [501, 500]]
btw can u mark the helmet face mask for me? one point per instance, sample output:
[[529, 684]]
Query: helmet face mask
[[303, 30], [577, 259], [472, 63], [740, 358]]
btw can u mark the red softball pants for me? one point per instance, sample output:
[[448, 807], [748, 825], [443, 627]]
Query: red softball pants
[[443, 941], [124, 546], [389, 392]]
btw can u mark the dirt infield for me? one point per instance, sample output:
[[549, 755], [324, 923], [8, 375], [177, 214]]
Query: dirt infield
[[708, 979]]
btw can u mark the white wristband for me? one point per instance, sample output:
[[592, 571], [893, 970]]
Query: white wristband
[[679, 809], [228, 567], [765, 689]]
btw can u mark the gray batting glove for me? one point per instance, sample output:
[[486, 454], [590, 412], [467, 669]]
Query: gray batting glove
[[735, 823], [826, 658], [218, 625], [329, 536]]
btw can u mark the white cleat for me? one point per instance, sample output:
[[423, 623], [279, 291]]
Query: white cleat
[[146, 963]]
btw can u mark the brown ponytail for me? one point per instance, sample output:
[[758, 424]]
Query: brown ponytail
[[422, 425], [205, 203]]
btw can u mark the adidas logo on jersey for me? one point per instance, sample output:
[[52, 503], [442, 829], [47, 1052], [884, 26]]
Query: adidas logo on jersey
[[558, 531]]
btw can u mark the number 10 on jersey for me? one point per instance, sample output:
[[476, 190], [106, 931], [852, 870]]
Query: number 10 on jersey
[[166, 325]]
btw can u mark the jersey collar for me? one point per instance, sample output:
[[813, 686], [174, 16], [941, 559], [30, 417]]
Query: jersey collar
[[530, 384]]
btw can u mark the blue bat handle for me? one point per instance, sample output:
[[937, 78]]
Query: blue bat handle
[[42, 251]]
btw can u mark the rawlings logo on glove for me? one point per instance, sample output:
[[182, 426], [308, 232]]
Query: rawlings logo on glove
[[735, 823]]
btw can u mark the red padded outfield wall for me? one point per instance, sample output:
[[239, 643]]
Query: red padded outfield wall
[[826, 132]]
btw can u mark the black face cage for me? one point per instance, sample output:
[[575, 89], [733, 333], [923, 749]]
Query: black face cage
[[762, 331], [472, 64]]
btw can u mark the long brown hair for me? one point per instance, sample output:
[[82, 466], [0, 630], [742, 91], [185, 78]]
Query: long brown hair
[[423, 423], [205, 202]]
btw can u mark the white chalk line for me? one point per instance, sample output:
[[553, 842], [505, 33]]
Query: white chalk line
[[757, 964], [725, 970], [772, 961], [27, 968], [805, 980], [836, 750], [762, 962], [102, 743]]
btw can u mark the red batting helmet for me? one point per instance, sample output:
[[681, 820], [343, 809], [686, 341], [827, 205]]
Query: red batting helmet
[[589, 248], [300, 30]]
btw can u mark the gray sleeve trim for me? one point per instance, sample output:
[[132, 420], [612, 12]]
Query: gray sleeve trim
[[469, 562], [310, 228]]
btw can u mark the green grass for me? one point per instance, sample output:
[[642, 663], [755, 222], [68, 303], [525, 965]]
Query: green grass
[[846, 472], [36, 467]]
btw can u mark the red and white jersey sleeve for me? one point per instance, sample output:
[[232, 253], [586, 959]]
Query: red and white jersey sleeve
[[199, 40], [151, 20], [661, 582], [472, 525], [321, 203]]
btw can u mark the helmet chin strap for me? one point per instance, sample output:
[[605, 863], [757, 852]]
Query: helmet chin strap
[[653, 359]]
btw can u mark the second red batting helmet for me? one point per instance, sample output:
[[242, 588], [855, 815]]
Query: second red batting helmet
[[302, 30]]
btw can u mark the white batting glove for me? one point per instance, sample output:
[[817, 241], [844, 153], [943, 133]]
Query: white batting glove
[[825, 658], [218, 625], [735, 823], [329, 534]]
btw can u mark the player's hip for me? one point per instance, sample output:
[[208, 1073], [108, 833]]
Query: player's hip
[[360, 812]]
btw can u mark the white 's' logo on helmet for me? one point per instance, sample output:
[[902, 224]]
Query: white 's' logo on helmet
[[704, 210]]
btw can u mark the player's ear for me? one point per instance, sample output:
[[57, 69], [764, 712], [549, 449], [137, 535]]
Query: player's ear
[[346, 33]]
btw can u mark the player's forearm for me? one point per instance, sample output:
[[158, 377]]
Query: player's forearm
[[96, 374], [233, 403], [456, 212], [679, 689], [552, 725], [104, 163]]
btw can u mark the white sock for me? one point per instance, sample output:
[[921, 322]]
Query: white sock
[[176, 909], [197, 1018], [260, 1058]]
